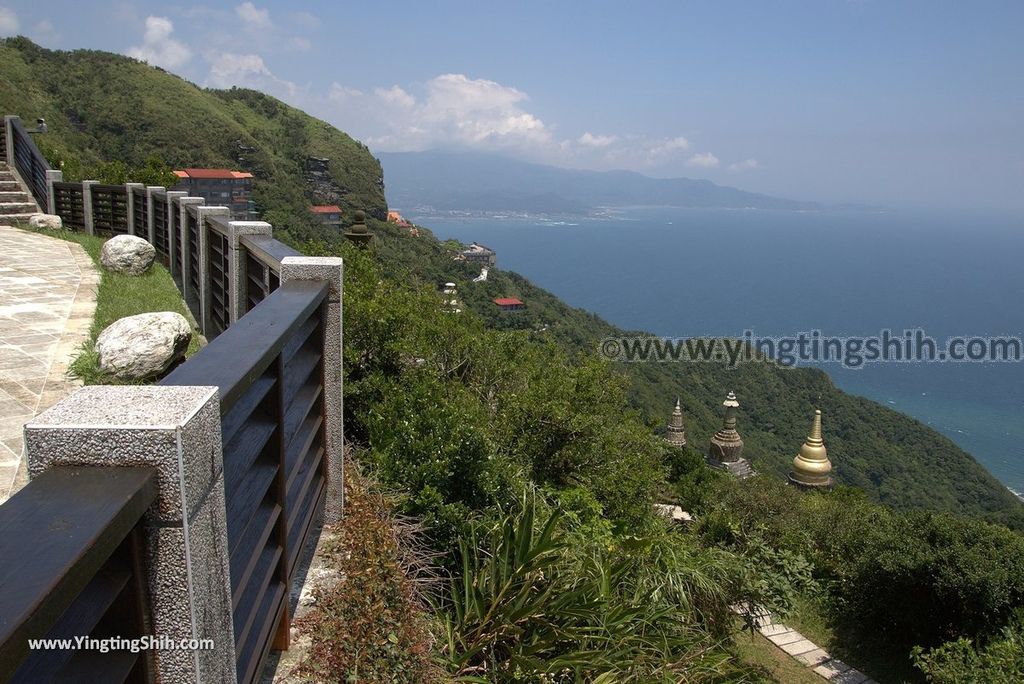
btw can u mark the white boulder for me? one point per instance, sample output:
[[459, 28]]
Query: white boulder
[[127, 254], [47, 221], [674, 514], [143, 346]]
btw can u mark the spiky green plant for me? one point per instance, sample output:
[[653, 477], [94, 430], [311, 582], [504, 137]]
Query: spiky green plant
[[527, 607]]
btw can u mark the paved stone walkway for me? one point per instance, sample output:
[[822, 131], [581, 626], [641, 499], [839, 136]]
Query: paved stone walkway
[[804, 650], [47, 299]]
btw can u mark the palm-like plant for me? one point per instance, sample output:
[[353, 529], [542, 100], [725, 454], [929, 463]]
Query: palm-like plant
[[525, 609]]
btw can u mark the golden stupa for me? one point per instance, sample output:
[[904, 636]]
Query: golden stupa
[[811, 467]]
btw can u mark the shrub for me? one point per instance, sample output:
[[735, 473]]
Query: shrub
[[1000, 661], [370, 626], [523, 608]]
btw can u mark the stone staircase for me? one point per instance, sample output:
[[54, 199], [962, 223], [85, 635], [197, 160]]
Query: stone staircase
[[15, 203]]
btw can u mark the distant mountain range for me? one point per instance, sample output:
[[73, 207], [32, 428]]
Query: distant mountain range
[[480, 182]]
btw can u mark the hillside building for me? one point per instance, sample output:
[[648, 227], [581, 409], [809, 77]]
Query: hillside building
[[396, 218], [479, 254], [450, 298], [509, 304], [328, 214], [220, 187]]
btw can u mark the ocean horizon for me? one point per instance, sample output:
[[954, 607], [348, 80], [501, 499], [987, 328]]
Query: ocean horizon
[[695, 272]]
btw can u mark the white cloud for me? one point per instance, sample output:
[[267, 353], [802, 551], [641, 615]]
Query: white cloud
[[704, 160], [745, 165], [247, 71], [253, 18], [43, 32], [158, 47], [395, 95], [9, 23], [657, 151], [300, 44], [588, 139], [454, 110], [306, 20]]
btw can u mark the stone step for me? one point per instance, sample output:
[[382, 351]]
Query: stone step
[[14, 196], [8, 208], [8, 219], [9, 185], [8, 177]]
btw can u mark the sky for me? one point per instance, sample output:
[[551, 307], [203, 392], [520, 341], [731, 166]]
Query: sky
[[900, 104]]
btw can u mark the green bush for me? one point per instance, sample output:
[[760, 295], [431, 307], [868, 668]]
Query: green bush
[[523, 607], [1000, 661], [888, 578]]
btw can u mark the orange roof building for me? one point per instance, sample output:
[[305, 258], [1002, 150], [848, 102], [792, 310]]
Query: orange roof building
[[329, 214], [509, 303], [219, 187]]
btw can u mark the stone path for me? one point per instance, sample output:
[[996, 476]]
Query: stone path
[[47, 299], [803, 649]]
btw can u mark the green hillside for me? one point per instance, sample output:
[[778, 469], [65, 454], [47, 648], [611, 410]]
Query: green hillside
[[896, 459], [103, 107]]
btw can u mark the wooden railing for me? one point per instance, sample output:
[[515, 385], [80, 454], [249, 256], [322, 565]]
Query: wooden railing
[[274, 358], [69, 204], [140, 209], [161, 223], [29, 161], [269, 370], [71, 565], [110, 208], [263, 263]]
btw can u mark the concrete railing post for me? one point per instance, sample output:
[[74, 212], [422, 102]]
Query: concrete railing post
[[237, 263], [176, 430], [204, 262], [129, 189], [173, 230], [151, 199], [52, 176], [9, 137], [186, 247], [331, 270], [90, 227]]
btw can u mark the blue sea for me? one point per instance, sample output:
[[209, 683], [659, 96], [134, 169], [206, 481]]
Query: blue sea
[[689, 272]]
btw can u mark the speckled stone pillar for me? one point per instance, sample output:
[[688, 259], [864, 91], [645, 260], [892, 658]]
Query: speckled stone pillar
[[178, 431], [237, 258], [52, 177], [129, 189], [90, 227], [9, 136], [331, 270]]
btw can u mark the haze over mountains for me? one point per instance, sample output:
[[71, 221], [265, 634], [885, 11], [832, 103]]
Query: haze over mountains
[[481, 182]]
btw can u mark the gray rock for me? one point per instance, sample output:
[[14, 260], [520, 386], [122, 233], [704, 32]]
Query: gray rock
[[143, 346], [127, 254], [48, 221]]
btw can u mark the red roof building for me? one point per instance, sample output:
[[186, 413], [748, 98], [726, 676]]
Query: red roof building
[[212, 174], [329, 214], [509, 304], [219, 187]]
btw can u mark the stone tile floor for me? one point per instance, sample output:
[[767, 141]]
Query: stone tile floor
[[47, 299], [802, 649]]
